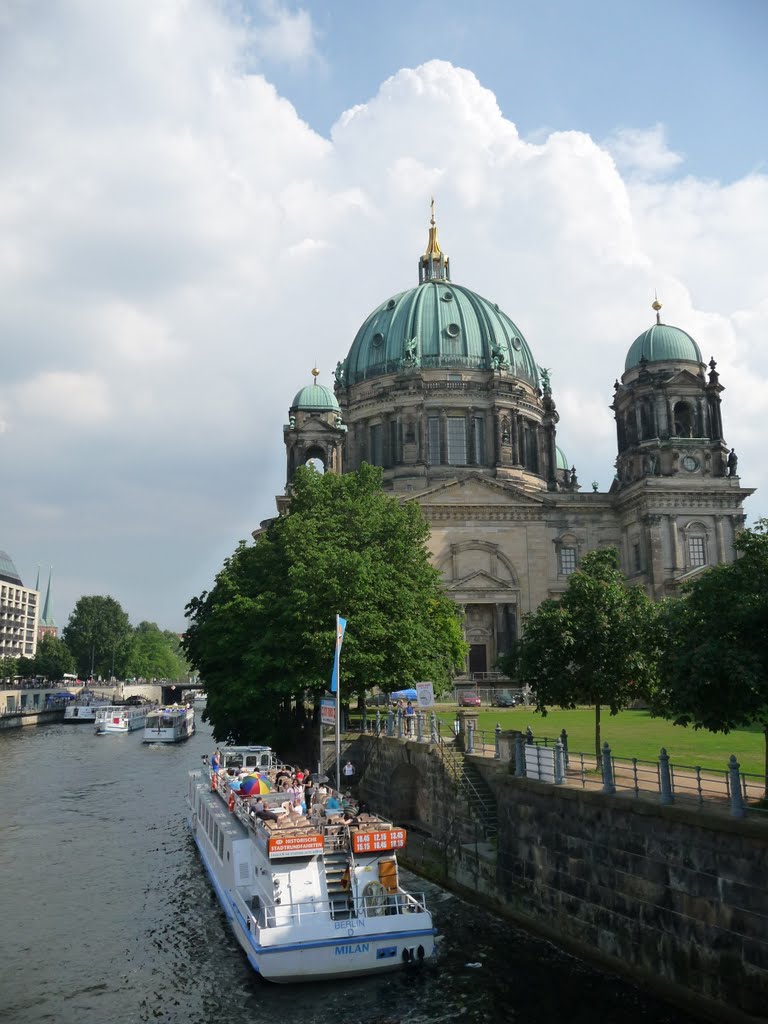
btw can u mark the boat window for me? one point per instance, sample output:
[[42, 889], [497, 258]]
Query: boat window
[[221, 844], [233, 760]]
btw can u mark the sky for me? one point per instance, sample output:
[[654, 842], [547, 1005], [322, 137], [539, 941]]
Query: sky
[[200, 200]]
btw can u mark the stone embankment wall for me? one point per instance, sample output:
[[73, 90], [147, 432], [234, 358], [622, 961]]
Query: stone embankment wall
[[675, 897]]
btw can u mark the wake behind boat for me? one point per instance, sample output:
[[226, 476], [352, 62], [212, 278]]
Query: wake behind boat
[[309, 897], [170, 724], [121, 718]]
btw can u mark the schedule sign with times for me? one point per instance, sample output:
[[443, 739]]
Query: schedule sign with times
[[373, 842]]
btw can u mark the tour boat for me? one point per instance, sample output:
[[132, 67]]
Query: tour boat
[[84, 709], [308, 897], [121, 718], [170, 724]]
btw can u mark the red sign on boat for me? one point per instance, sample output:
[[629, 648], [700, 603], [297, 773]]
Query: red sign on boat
[[373, 842], [294, 846]]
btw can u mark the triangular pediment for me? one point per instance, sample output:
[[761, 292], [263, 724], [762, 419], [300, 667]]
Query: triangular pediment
[[685, 378], [479, 581], [477, 490]]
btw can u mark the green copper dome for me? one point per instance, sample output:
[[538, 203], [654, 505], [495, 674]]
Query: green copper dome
[[316, 397], [562, 458], [438, 325], [662, 343]]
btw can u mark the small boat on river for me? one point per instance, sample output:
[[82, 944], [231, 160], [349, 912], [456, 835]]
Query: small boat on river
[[311, 896], [169, 724], [121, 718], [84, 708]]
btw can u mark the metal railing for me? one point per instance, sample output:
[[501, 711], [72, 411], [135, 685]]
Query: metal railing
[[729, 788]]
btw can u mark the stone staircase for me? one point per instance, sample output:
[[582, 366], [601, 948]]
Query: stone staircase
[[474, 788]]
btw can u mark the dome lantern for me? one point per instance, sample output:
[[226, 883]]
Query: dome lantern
[[434, 265]]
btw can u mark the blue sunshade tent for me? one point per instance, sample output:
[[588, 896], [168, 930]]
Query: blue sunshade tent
[[404, 694]]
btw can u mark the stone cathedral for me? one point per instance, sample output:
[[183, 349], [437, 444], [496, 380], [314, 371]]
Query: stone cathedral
[[441, 390]]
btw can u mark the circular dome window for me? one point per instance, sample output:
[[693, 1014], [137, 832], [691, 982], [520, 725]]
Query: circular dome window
[[452, 330], [447, 296], [377, 339], [515, 342], [391, 304]]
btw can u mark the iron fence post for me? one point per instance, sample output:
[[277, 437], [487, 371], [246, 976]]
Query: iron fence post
[[399, 723], [365, 720], [378, 722], [564, 741], [519, 757], [608, 784], [390, 723], [559, 756], [433, 726], [497, 741], [734, 782], [470, 738], [419, 726], [528, 734], [665, 779]]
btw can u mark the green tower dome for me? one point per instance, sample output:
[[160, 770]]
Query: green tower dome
[[316, 397], [438, 325], [562, 458], [662, 343]]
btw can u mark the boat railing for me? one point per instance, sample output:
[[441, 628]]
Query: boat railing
[[284, 915]]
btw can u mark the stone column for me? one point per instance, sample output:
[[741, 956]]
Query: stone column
[[674, 542], [719, 538]]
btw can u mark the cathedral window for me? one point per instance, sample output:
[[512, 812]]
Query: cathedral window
[[697, 551], [433, 427], [376, 457], [457, 441], [637, 557], [567, 561], [683, 420]]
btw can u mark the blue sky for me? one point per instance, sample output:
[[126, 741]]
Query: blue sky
[[202, 199], [697, 66]]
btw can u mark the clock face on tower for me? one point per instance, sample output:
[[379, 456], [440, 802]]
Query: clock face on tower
[[689, 463]]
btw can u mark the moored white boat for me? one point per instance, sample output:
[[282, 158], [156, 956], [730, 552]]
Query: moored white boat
[[308, 898], [84, 709], [169, 724], [121, 718]]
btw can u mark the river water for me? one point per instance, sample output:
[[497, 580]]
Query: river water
[[108, 917]]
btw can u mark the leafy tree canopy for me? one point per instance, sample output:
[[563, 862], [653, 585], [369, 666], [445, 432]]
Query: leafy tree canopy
[[713, 671], [592, 646], [97, 635], [53, 658], [152, 653], [263, 638]]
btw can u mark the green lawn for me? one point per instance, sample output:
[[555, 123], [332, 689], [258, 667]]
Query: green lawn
[[630, 734]]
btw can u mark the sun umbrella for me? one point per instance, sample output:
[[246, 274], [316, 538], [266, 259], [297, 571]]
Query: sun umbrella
[[253, 785]]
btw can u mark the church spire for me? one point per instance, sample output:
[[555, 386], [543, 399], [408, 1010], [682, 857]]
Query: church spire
[[46, 618], [434, 265]]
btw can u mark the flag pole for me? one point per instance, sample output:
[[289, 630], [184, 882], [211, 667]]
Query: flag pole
[[338, 715]]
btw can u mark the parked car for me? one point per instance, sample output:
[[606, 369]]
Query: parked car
[[469, 700], [503, 700]]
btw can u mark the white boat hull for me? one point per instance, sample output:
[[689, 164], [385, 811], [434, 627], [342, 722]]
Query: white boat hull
[[120, 719], [169, 725], [309, 939]]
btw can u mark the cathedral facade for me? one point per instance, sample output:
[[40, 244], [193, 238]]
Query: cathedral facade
[[441, 390]]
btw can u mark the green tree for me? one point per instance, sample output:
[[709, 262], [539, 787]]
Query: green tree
[[713, 672], [595, 645], [53, 658], [97, 634], [153, 653], [263, 638]]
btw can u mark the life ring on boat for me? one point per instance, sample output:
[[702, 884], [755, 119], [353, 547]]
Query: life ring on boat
[[231, 801], [374, 899], [213, 782]]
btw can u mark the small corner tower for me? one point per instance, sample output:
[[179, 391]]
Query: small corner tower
[[315, 430]]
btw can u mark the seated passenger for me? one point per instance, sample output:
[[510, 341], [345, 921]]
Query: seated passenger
[[258, 810]]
